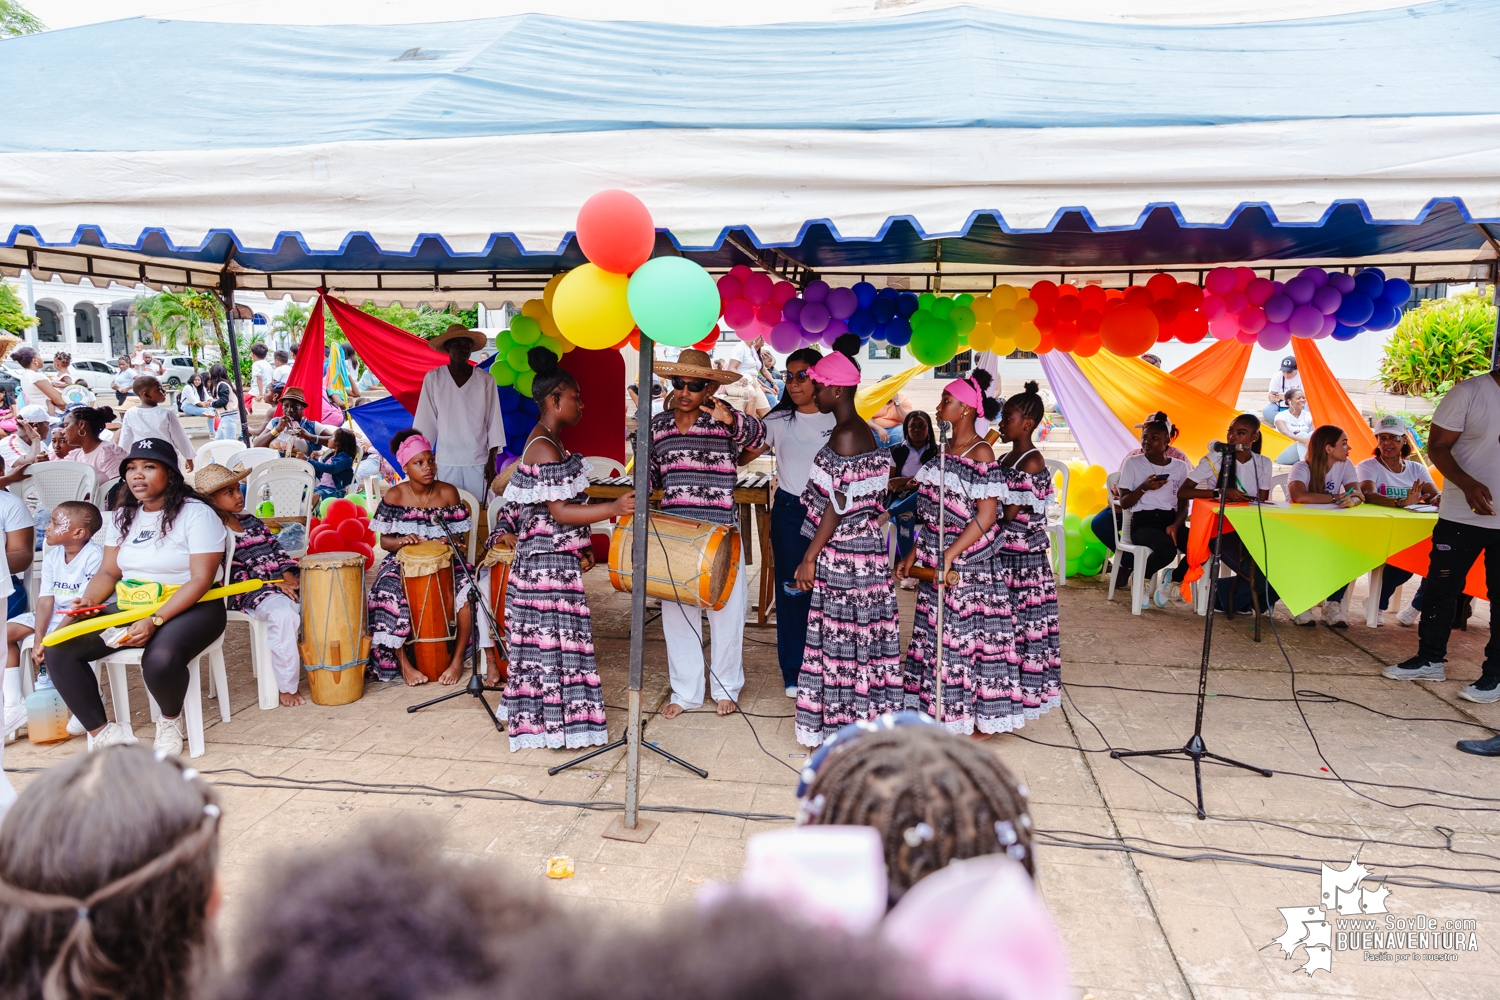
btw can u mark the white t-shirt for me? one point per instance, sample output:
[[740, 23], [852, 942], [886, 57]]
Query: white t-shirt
[[1282, 381], [738, 350], [1473, 409], [281, 373], [1340, 474], [1396, 485], [1136, 469], [797, 441], [31, 391], [1295, 425], [263, 371], [124, 379], [63, 580], [1250, 477], [149, 555], [14, 514]]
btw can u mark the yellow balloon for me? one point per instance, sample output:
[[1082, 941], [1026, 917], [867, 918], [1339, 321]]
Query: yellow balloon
[[591, 308], [1028, 337], [1027, 310], [549, 326], [1094, 476], [563, 342], [533, 308], [1004, 296], [550, 290], [1003, 346], [984, 309], [981, 337], [1076, 466], [1006, 323]]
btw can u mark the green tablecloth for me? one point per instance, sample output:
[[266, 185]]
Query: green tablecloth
[[1308, 551]]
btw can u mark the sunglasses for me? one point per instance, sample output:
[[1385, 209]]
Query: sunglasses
[[801, 376], [696, 385]]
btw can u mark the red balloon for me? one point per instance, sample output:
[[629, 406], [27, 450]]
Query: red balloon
[[1089, 320], [758, 288], [1161, 286], [634, 337], [1114, 294], [1187, 296], [313, 525], [1044, 293], [1191, 327], [1045, 345], [1165, 309], [365, 550], [1069, 307], [1138, 295], [1065, 335], [1045, 319], [351, 530], [615, 231], [783, 293], [1242, 278], [1092, 297], [1129, 331], [1087, 347], [707, 343], [339, 510]]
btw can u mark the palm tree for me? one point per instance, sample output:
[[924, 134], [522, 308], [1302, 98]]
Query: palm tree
[[15, 19], [292, 322], [181, 318]]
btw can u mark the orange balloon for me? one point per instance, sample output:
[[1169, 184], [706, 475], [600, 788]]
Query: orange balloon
[[1045, 345], [1087, 347], [1129, 330]]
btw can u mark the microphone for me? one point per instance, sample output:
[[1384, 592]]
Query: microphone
[[434, 520], [1227, 449], [944, 429]]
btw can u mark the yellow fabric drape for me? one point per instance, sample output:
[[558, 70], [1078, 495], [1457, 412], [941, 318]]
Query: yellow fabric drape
[[1131, 388], [1219, 370], [1328, 401], [869, 400]]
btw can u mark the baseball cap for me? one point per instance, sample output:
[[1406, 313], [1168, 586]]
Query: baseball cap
[[1391, 425], [153, 448], [1288, 364], [35, 413]]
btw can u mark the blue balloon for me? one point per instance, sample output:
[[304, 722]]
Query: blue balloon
[[888, 293], [1356, 308], [1370, 282], [1385, 315], [883, 309], [862, 323], [898, 331], [1342, 332], [906, 305], [864, 294], [1397, 292]]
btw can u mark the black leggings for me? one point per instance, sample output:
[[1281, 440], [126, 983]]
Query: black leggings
[[1149, 527], [164, 662]]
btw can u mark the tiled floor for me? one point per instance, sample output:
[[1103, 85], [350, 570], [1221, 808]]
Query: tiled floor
[[1138, 925]]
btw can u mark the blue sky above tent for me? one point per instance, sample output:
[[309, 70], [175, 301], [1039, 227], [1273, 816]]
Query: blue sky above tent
[[162, 84]]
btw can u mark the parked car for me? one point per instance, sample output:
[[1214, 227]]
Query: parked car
[[96, 375], [176, 369]]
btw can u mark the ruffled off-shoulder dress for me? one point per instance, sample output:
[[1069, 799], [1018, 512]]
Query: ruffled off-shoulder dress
[[389, 619]]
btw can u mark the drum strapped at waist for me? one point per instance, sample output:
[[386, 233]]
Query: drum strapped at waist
[[424, 558], [687, 562]]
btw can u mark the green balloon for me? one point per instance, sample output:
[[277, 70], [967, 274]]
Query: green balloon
[[964, 300], [1090, 564], [673, 301], [525, 330], [503, 342], [925, 301], [1096, 548], [358, 499], [523, 383], [962, 319], [942, 307], [934, 342], [551, 344], [516, 358], [1086, 529], [1074, 564], [323, 508], [1072, 522], [503, 373]]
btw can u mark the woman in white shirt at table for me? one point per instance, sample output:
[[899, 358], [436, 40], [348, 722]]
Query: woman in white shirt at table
[[1391, 480], [1326, 476], [1296, 422], [1149, 484], [1251, 481]]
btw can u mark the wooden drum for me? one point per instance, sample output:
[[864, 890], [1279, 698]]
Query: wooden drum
[[689, 562], [334, 644], [427, 576]]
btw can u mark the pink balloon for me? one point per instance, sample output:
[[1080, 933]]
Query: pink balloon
[[1306, 320], [729, 288], [758, 288], [1327, 300], [1220, 281], [816, 291], [1252, 320], [783, 292], [1245, 337], [1274, 336], [738, 314], [1225, 327], [785, 337], [1236, 302], [1242, 277], [1316, 275], [741, 271], [1279, 308], [769, 314], [1259, 290], [815, 316], [1212, 308], [841, 302]]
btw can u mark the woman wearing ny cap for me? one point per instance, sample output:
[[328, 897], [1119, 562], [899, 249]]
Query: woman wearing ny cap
[[161, 532]]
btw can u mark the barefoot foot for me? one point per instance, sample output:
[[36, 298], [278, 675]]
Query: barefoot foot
[[979, 737], [672, 711], [727, 707], [410, 674], [493, 677], [451, 675], [292, 700]]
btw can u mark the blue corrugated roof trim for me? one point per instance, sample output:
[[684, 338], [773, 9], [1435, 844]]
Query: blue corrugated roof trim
[[160, 84]]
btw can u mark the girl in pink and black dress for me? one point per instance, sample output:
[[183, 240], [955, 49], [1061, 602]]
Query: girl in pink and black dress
[[1024, 554], [979, 659], [851, 667], [553, 696]]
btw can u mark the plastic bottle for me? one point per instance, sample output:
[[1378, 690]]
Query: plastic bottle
[[46, 712]]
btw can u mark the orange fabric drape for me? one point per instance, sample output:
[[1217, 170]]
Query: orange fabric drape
[[1218, 371], [1417, 560], [1328, 401]]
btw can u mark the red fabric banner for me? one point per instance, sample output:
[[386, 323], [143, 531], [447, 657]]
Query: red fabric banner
[[1218, 371], [307, 370], [398, 358], [1328, 401]]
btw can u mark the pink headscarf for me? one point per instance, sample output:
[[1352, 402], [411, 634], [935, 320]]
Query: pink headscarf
[[835, 369], [411, 448], [966, 391]]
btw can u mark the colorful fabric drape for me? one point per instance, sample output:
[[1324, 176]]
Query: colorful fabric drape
[[1328, 401], [337, 377], [869, 399], [1100, 435], [1417, 559], [1218, 371], [398, 358], [307, 370], [1131, 388]]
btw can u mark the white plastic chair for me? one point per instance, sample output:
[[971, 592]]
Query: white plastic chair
[[604, 468], [1123, 544], [470, 501], [1279, 482], [253, 458], [216, 452], [101, 495], [266, 693], [290, 484], [1056, 529], [52, 483]]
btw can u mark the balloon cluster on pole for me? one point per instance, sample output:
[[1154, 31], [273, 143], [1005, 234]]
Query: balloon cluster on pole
[[534, 326]]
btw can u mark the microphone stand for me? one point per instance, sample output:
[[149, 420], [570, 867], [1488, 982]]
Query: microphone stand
[[1195, 749], [940, 578], [476, 686]]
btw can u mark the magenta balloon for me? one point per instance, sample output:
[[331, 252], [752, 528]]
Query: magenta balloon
[[1259, 290], [729, 287], [1316, 275], [1327, 300], [1274, 336], [785, 337], [1212, 308], [841, 302], [739, 314], [816, 291], [1279, 308], [1252, 320], [768, 315], [1235, 302], [1306, 320], [1300, 290], [792, 309], [1343, 282], [1242, 277], [815, 316], [1225, 327], [783, 292], [758, 288], [1220, 281], [1245, 337]]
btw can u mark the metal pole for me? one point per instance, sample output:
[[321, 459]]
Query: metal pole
[[226, 292], [638, 579], [941, 578]]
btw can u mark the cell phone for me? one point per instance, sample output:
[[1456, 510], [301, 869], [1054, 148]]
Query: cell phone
[[83, 611], [1161, 478]]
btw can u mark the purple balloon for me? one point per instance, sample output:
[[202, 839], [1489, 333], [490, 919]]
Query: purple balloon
[[814, 317], [792, 309], [1278, 308], [816, 291], [1300, 290], [1305, 321], [1356, 310], [1329, 325], [785, 337], [1280, 286], [835, 329], [841, 302], [1343, 282], [1327, 300], [1385, 315], [1274, 336], [1316, 275], [1342, 332]]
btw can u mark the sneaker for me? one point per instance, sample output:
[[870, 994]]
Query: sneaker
[[112, 734], [1333, 614], [168, 736], [15, 718], [1416, 669], [908, 583], [75, 728], [1480, 694], [1163, 593], [791, 690], [1408, 616], [1305, 618]]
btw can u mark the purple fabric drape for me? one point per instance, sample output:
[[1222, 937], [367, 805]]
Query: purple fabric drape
[[1100, 435]]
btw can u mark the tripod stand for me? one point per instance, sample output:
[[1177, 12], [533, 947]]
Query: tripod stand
[[475, 687], [1195, 749]]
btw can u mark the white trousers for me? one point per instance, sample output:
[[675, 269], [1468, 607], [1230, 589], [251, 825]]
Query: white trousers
[[465, 477], [282, 616], [482, 620], [682, 626]]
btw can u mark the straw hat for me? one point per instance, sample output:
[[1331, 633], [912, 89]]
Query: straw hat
[[214, 477], [694, 364], [457, 331]]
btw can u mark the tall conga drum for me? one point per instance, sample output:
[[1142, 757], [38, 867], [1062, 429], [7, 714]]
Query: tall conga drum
[[689, 562], [498, 560], [334, 645], [427, 576]]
